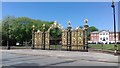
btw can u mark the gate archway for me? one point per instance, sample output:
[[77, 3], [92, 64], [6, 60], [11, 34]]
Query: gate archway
[[55, 33]]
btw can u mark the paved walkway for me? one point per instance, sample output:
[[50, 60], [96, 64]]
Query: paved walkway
[[76, 55]]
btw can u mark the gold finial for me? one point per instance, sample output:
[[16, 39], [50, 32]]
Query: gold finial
[[86, 21], [33, 26], [112, 2], [86, 24], [43, 25], [69, 23], [55, 23]]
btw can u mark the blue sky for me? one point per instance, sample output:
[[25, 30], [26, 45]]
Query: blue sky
[[99, 14]]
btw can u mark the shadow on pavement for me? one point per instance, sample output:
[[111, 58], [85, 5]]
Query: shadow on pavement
[[34, 65], [61, 62], [23, 65]]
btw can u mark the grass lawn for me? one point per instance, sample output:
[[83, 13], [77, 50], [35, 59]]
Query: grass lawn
[[55, 47], [104, 47], [93, 46]]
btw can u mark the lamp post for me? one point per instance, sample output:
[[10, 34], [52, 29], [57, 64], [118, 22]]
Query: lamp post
[[8, 45], [86, 38], [7, 34], [33, 36], [43, 37], [115, 46], [69, 37]]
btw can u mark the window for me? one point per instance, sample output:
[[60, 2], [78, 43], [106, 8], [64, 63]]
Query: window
[[106, 33], [103, 33], [100, 38], [95, 38], [103, 38], [91, 38], [100, 33], [106, 38]]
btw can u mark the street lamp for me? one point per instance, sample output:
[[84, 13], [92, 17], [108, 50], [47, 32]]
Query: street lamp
[[7, 34], [8, 45], [43, 36], [115, 46], [69, 37], [86, 38], [33, 36]]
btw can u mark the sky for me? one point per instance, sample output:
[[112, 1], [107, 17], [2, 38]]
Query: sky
[[99, 14]]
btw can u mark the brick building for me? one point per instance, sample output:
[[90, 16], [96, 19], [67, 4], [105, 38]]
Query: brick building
[[103, 36]]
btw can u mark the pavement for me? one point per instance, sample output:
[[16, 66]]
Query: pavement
[[31, 57]]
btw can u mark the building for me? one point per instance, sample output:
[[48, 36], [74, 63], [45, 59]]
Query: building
[[103, 36]]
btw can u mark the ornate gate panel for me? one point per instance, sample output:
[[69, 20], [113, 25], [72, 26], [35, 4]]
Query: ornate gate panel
[[64, 39], [74, 40], [76, 37], [41, 39], [38, 40], [47, 37], [80, 39]]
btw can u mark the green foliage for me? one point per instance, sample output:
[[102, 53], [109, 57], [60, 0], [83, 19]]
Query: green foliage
[[104, 47], [55, 33], [20, 29], [91, 29]]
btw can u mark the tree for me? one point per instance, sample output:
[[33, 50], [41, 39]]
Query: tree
[[55, 33], [7, 28], [20, 29], [91, 29]]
